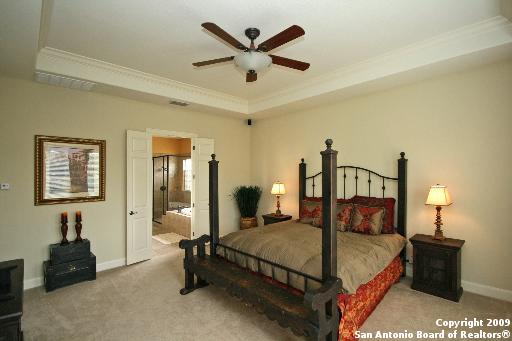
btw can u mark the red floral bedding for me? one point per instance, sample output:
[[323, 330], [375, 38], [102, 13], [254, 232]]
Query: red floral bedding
[[357, 307]]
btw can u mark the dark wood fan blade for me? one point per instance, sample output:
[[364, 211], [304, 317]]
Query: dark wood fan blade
[[213, 61], [279, 39], [251, 77], [219, 32], [291, 63]]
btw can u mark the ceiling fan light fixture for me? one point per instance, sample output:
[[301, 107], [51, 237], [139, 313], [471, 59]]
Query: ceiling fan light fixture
[[253, 60]]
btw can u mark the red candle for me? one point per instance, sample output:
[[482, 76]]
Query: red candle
[[78, 216], [64, 217]]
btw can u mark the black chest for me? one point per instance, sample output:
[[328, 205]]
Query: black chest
[[69, 264], [437, 266]]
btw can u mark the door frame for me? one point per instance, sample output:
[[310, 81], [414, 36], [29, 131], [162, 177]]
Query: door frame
[[169, 133]]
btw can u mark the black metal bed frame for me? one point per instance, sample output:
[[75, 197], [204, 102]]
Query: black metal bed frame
[[314, 315], [401, 179], [274, 265]]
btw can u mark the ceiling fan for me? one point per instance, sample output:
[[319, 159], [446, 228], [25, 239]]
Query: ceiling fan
[[254, 59]]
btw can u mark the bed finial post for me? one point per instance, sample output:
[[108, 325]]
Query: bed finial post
[[329, 196], [214, 204], [302, 183], [402, 203]]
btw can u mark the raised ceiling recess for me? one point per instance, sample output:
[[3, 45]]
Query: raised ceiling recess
[[144, 49]]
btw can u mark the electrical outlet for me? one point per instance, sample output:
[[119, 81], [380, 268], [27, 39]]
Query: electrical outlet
[[5, 186]]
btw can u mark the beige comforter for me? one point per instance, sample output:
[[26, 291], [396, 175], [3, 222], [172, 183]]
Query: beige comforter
[[298, 246]]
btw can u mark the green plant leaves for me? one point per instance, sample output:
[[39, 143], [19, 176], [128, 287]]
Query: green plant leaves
[[247, 198]]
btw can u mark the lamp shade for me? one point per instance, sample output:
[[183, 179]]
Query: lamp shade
[[438, 196], [278, 188], [253, 60]]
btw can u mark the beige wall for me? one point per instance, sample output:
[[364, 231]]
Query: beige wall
[[168, 146], [456, 130], [28, 108]]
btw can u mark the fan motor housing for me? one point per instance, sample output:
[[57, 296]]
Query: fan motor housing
[[252, 33]]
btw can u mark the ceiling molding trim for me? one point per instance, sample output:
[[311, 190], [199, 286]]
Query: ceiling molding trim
[[73, 65], [494, 32], [44, 26]]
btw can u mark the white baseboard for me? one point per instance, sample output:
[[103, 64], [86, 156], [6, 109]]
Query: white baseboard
[[38, 281], [486, 290], [116, 263], [32, 283], [476, 288]]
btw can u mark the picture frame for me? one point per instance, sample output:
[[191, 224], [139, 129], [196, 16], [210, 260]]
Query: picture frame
[[68, 170]]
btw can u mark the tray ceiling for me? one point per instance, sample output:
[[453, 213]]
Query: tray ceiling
[[162, 38]]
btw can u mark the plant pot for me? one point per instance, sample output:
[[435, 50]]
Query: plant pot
[[248, 222]]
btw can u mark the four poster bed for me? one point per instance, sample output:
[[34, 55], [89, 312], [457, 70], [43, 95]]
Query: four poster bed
[[319, 282]]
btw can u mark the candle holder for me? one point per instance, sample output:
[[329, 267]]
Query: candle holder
[[78, 228], [64, 229]]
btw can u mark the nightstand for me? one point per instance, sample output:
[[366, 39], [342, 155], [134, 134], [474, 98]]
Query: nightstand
[[436, 266], [272, 218]]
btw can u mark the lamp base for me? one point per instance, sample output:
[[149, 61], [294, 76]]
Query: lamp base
[[278, 211], [438, 235]]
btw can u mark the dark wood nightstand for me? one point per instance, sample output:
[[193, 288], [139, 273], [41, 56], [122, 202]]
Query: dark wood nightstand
[[436, 266], [272, 218]]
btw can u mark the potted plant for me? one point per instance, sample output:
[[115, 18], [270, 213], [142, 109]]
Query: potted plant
[[247, 198]]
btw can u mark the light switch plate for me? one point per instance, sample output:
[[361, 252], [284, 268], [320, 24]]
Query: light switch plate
[[5, 186]]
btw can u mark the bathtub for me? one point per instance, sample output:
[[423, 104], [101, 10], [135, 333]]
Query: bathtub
[[178, 222]]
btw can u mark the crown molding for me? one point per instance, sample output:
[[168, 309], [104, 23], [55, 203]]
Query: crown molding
[[490, 33], [482, 36], [69, 64]]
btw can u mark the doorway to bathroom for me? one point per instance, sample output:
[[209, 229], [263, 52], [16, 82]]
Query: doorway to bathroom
[[172, 189], [166, 197]]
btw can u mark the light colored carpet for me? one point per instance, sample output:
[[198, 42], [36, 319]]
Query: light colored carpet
[[142, 302], [169, 238]]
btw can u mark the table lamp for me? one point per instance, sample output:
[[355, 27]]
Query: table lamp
[[438, 196], [278, 189]]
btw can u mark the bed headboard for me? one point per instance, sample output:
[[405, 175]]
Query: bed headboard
[[368, 177]]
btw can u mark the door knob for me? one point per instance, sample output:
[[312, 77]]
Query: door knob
[[132, 213]]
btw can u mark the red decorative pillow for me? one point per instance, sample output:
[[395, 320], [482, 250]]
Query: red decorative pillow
[[367, 220], [388, 225], [310, 210], [343, 217]]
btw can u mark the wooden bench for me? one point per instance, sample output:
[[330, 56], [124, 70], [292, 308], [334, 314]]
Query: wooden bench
[[314, 315]]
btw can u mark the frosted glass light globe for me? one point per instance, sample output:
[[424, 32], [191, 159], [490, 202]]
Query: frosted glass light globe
[[253, 60]]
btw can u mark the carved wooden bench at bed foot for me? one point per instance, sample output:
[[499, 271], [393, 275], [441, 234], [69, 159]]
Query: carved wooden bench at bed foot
[[314, 315]]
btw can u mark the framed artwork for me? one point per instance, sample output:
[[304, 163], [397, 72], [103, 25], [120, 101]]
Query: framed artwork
[[69, 170]]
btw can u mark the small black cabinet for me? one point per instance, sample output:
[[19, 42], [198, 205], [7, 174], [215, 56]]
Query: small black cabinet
[[437, 266], [70, 263], [272, 218]]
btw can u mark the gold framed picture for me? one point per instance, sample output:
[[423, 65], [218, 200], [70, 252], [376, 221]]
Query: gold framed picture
[[69, 170]]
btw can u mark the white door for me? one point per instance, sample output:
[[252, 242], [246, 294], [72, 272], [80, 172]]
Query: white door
[[138, 195], [202, 149]]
